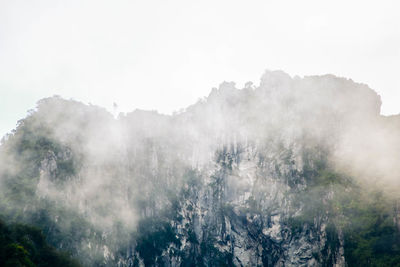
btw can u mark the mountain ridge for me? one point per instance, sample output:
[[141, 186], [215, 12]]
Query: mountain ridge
[[294, 172]]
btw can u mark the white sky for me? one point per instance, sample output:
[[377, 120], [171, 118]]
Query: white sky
[[164, 55]]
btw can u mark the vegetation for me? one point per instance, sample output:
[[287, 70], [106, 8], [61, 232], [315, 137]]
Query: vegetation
[[23, 245], [173, 201], [364, 216], [371, 236], [153, 237]]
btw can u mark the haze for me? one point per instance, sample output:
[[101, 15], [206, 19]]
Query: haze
[[164, 55]]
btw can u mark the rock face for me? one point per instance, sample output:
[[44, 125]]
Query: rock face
[[240, 215], [251, 177]]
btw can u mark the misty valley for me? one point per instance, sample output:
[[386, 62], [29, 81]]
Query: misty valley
[[296, 171]]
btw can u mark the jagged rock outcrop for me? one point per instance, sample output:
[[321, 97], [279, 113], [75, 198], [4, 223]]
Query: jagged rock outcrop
[[263, 176]]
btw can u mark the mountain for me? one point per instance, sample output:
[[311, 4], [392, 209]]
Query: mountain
[[293, 172]]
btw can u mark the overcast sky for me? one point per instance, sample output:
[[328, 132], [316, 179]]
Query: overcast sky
[[164, 55]]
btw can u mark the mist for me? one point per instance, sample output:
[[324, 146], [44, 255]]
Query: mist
[[259, 140]]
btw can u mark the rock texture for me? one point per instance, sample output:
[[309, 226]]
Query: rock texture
[[249, 177]]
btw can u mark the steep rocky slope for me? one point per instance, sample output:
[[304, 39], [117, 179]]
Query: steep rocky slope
[[293, 172]]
